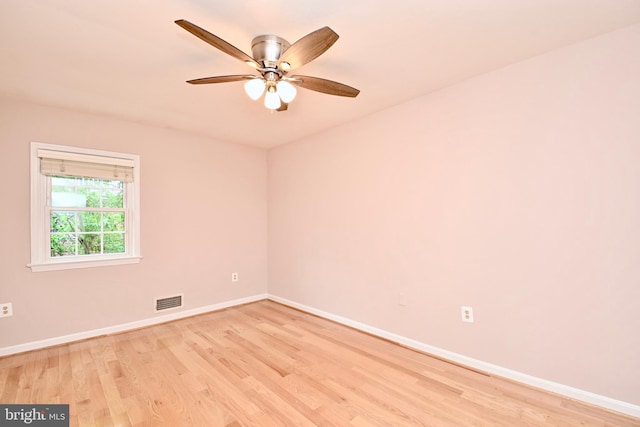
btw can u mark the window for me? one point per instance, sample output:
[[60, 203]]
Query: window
[[84, 208]]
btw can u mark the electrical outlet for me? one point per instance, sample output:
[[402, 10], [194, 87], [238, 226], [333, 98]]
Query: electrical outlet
[[234, 277], [6, 309], [467, 314]]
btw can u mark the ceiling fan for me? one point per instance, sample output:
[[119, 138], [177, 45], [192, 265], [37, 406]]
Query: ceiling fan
[[274, 57]]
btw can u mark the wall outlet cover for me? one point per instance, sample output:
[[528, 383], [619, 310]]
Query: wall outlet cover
[[6, 309], [467, 314]]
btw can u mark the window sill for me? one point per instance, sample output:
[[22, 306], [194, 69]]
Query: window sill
[[84, 263]]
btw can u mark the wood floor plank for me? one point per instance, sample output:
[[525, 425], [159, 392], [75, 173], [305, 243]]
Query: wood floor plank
[[265, 364]]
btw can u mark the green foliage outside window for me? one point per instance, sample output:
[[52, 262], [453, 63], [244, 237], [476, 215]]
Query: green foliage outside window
[[87, 216]]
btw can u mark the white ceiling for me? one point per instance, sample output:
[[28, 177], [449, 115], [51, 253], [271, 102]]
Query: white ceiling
[[127, 58]]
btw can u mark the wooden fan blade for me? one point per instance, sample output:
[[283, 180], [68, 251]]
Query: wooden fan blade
[[217, 42], [308, 48], [221, 79], [283, 106], [325, 86]]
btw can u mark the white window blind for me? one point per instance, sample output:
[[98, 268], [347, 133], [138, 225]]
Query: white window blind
[[61, 163]]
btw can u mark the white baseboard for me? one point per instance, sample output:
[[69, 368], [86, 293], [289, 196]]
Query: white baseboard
[[561, 389], [20, 348]]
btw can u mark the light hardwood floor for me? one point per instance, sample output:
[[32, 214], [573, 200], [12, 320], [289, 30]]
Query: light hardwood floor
[[264, 364]]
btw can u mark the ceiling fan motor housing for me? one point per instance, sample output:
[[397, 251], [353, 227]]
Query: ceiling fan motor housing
[[266, 49]]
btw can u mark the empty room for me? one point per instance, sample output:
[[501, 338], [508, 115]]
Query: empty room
[[338, 213]]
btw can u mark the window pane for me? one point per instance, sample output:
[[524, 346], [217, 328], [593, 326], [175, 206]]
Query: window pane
[[112, 195], [88, 244], [63, 181], [78, 232], [86, 192], [114, 243], [113, 221], [89, 221], [67, 196], [63, 244], [91, 182], [63, 221], [93, 196]]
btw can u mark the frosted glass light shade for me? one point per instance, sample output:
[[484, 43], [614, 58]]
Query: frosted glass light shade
[[286, 90], [272, 100], [254, 88]]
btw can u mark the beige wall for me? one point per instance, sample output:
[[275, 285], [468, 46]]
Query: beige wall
[[203, 221], [516, 192]]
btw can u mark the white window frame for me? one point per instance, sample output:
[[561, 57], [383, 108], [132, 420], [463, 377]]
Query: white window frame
[[41, 259]]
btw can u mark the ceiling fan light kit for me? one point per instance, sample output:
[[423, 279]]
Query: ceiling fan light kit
[[286, 90], [274, 57], [254, 88]]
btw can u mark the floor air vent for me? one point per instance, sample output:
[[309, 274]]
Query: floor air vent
[[168, 302]]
